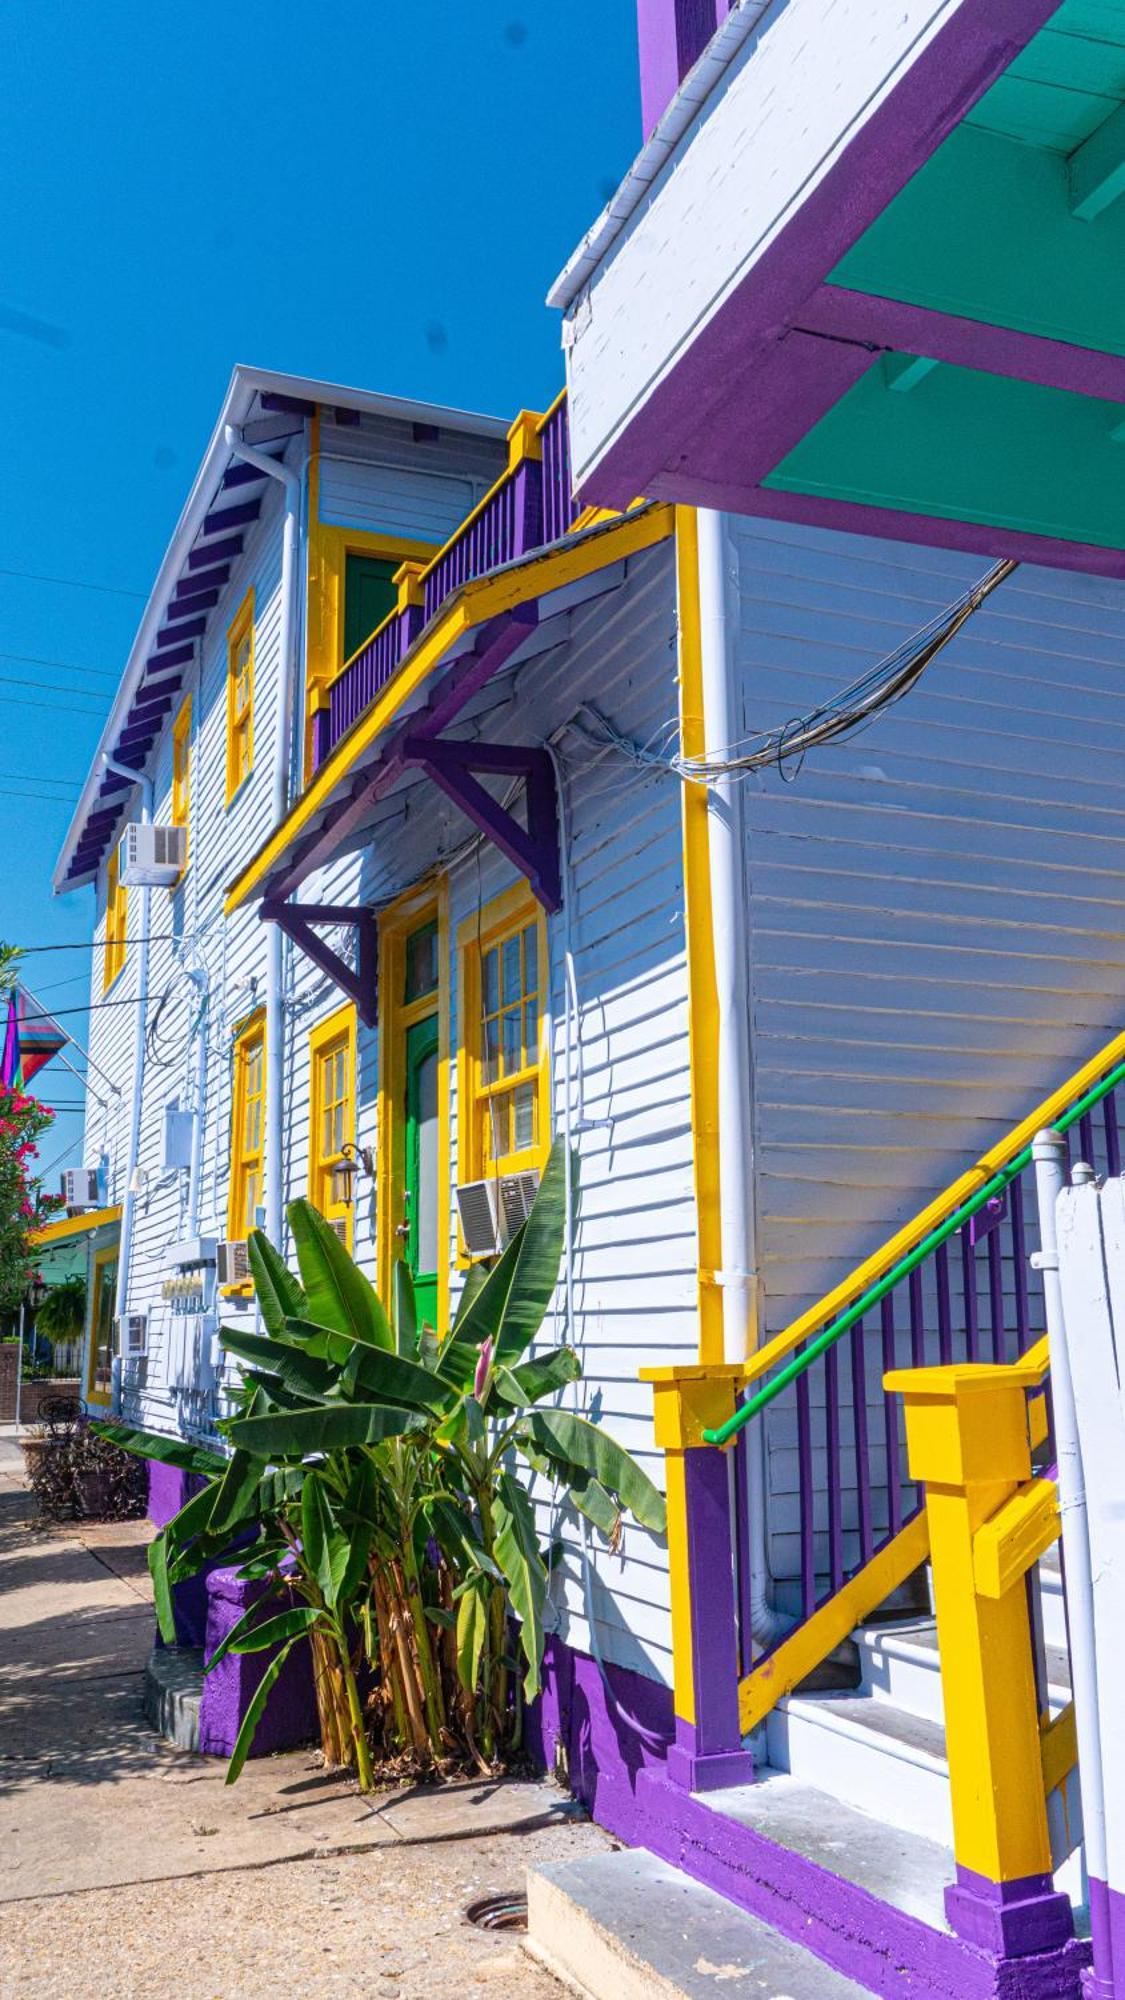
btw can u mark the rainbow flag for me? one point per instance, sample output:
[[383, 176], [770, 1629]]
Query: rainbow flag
[[31, 1038]]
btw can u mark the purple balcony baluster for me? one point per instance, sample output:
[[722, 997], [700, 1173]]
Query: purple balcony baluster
[[890, 1420], [944, 1307], [862, 1448], [969, 1292], [832, 1440], [806, 1497], [559, 506], [996, 1296], [1019, 1265]]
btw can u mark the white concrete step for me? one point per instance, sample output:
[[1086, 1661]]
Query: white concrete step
[[900, 1664], [870, 1754], [626, 1926]]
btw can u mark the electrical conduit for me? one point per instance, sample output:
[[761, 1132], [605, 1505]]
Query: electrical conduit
[[738, 1277]]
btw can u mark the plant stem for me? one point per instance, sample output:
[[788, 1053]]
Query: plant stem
[[358, 1731]]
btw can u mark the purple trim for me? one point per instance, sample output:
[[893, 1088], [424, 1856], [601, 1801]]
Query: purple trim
[[495, 643], [713, 401], [216, 552], [290, 1716], [708, 1754], [671, 37], [967, 343], [1107, 1935], [221, 518], [535, 852], [1009, 1919], [608, 1730], [361, 984]]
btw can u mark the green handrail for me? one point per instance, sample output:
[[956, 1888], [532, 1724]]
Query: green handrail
[[878, 1291]]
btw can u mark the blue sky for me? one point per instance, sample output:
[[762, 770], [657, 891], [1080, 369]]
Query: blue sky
[[318, 189]]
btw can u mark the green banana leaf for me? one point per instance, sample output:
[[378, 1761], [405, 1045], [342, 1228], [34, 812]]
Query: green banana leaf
[[164, 1450], [530, 1381], [293, 1365], [324, 1547], [399, 1380], [566, 1437], [255, 1712], [162, 1589], [278, 1294], [338, 1296], [236, 1499], [517, 1547], [455, 1533], [327, 1427], [472, 1631], [404, 1310], [252, 1633], [583, 1491]]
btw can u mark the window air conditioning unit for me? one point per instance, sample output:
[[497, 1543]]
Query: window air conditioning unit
[[132, 1335], [82, 1187], [491, 1211], [151, 857], [234, 1264]]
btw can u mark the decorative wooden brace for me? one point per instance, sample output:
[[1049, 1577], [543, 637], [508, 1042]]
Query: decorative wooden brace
[[361, 983], [534, 850]]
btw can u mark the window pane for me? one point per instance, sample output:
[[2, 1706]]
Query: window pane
[[530, 960], [511, 969], [491, 1049], [512, 1043], [523, 1116], [490, 983], [530, 1033], [421, 962]]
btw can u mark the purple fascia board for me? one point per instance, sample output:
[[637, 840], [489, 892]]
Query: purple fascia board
[[215, 552], [721, 371], [840, 314], [221, 519]]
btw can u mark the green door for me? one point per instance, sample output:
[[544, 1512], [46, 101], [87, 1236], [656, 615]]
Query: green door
[[420, 1222], [369, 593]]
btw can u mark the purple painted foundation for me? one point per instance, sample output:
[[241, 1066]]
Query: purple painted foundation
[[609, 1732], [169, 1489], [290, 1716], [1009, 1919]]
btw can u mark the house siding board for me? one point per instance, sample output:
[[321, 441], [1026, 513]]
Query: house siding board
[[375, 476], [935, 904]]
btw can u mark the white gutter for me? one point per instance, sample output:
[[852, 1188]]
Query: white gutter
[[245, 385], [275, 468], [654, 155], [738, 1277], [132, 1156]]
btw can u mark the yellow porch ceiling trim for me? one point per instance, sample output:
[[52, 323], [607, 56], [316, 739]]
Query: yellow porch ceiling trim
[[73, 1225]]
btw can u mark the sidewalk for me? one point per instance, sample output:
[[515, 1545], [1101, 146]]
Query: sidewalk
[[128, 1866]]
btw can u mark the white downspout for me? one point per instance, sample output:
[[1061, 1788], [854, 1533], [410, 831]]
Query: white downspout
[[132, 1157], [283, 745], [738, 1277]]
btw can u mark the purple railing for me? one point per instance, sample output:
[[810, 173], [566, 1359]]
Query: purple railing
[[528, 508], [560, 508], [840, 1488]]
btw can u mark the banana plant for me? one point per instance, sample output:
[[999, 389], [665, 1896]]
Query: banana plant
[[380, 1475]]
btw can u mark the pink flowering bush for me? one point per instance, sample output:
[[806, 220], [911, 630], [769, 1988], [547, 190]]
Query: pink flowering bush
[[24, 1205]]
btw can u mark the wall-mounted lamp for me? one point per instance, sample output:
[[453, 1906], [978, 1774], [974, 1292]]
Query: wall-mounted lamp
[[355, 1159]]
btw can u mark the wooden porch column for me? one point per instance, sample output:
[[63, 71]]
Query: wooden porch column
[[707, 1753]]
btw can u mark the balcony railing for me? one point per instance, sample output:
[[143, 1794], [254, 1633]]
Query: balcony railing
[[529, 507]]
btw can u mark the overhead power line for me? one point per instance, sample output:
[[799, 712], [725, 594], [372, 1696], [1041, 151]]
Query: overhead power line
[[72, 666], [73, 583]]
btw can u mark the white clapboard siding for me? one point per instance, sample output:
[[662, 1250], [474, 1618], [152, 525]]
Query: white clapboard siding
[[937, 917], [378, 476]]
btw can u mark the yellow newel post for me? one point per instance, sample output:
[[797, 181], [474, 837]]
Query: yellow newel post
[[407, 582], [524, 440], [967, 1437], [707, 1752]]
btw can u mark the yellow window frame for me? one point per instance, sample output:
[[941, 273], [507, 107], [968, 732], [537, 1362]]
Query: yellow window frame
[[329, 546], [116, 920], [181, 772], [105, 1260], [240, 697], [247, 1161], [332, 1087], [481, 1152], [426, 903]]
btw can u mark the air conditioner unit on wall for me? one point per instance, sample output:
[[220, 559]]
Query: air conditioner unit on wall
[[82, 1187], [234, 1264], [492, 1210], [151, 857]]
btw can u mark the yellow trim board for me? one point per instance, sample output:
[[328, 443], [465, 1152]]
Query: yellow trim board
[[108, 1254], [73, 1225], [425, 902], [475, 603], [703, 1000], [503, 915], [340, 1027]]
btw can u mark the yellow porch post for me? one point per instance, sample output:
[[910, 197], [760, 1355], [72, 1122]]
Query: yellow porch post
[[707, 1752], [967, 1437]]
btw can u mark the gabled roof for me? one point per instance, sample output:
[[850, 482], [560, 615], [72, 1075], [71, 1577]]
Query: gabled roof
[[223, 504]]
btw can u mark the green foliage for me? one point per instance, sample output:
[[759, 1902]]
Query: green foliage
[[62, 1315], [379, 1489]]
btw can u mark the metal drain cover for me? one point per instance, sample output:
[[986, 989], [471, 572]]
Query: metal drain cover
[[506, 1911]]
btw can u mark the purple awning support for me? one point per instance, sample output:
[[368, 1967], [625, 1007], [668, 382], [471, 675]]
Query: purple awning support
[[534, 850], [359, 982]]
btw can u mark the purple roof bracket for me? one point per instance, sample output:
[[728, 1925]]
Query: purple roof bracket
[[361, 982], [534, 850]]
